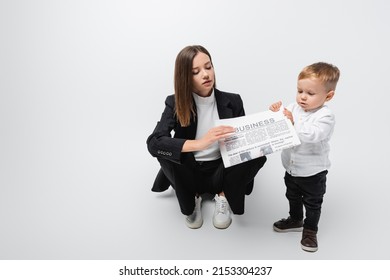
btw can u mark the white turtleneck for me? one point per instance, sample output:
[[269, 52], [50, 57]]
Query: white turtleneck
[[206, 109]]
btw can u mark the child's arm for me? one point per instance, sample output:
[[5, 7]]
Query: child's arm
[[312, 132], [289, 115], [277, 106]]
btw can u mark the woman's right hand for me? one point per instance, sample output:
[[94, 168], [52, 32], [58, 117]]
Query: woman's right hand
[[213, 135]]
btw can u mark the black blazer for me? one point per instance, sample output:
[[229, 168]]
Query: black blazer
[[162, 145]]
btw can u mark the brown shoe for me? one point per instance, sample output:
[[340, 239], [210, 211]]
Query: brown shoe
[[287, 225], [309, 240]]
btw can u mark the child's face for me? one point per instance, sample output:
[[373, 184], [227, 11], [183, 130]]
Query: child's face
[[202, 75], [312, 94]]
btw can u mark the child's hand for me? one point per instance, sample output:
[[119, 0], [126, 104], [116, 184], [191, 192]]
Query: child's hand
[[289, 115], [276, 106]]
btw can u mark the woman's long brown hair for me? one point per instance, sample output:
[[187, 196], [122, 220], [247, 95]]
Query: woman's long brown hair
[[183, 83]]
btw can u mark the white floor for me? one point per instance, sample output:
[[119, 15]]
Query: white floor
[[101, 207]]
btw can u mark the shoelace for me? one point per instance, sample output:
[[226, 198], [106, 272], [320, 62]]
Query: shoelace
[[198, 204], [221, 206], [288, 220]]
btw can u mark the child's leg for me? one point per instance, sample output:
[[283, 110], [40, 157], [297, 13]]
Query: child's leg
[[294, 196], [293, 193], [313, 193]]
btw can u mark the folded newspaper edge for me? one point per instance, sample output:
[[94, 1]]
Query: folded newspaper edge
[[256, 135]]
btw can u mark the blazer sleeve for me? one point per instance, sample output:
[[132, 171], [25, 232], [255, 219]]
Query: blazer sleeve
[[160, 143]]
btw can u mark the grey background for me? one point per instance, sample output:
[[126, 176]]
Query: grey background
[[82, 85]]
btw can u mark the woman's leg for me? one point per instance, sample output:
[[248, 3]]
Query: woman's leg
[[183, 178], [236, 181]]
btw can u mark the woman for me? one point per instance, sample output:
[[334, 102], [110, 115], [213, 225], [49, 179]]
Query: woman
[[191, 160]]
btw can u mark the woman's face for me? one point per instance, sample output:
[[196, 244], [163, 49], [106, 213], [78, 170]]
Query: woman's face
[[202, 75]]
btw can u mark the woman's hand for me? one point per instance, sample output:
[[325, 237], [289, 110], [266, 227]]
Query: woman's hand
[[213, 135]]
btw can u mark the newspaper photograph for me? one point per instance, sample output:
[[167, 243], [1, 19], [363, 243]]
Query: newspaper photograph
[[256, 135]]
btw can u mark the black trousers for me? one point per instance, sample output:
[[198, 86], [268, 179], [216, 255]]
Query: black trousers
[[192, 177], [306, 192]]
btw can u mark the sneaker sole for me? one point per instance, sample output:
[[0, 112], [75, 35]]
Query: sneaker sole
[[309, 249], [225, 226], [299, 229], [194, 225]]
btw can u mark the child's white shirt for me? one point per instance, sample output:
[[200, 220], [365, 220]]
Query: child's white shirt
[[314, 129]]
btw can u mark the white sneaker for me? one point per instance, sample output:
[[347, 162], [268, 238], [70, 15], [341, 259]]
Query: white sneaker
[[222, 213], [195, 220]]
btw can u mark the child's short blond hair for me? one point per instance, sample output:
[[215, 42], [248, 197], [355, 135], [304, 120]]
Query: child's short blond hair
[[325, 72]]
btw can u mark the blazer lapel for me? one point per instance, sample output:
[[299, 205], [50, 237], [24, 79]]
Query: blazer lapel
[[223, 105]]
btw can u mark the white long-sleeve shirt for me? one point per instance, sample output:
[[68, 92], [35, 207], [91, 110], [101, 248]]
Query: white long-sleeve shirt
[[314, 129], [207, 113]]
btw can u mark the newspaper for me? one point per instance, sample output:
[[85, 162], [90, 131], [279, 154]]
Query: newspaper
[[256, 135]]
